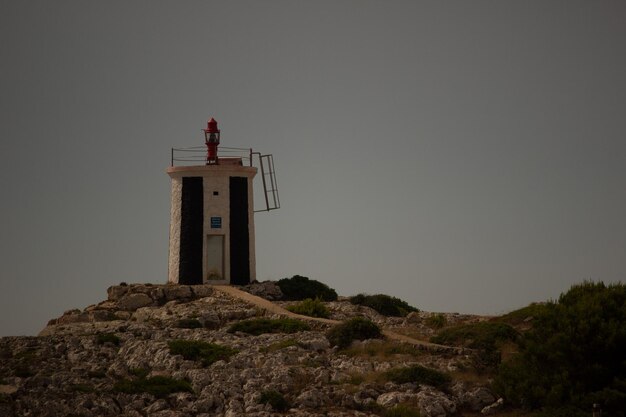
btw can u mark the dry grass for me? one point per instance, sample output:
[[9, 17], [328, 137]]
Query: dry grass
[[472, 377], [383, 350]]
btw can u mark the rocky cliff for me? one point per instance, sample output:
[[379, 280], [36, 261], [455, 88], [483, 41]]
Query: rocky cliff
[[120, 358]]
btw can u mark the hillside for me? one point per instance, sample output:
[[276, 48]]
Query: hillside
[[123, 356]]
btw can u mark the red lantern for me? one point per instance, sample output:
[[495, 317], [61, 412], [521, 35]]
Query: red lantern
[[212, 140]]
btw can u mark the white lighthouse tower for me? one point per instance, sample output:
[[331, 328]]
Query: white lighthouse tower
[[212, 212]]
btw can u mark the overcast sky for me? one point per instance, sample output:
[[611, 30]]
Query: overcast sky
[[464, 156]]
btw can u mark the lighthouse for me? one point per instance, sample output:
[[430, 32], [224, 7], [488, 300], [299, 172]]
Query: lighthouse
[[212, 211]]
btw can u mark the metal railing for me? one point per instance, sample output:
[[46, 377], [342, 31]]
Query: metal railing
[[197, 155], [270, 186]]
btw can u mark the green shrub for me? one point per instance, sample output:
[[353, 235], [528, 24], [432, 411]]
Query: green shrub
[[401, 411], [23, 371], [482, 335], [256, 327], [188, 324], [140, 373], [383, 349], [436, 321], [103, 338], [159, 386], [96, 374], [279, 345], [275, 399], [310, 307], [418, 374], [518, 316], [384, 304], [357, 328], [486, 337], [196, 350], [573, 356], [299, 288]]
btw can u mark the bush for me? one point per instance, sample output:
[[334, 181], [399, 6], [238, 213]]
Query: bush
[[256, 327], [188, 324], [310, 307], [436, 321], [23, 371], [279, 345], [275, 399], [476, 335], [485, 336], [103, 338], [384, 304], [140, 373], [159, 386], [517, 317], [299, 288], [573, 356], [206, 353], [383, 349], [418, 374], [96, 374], [357, 328]]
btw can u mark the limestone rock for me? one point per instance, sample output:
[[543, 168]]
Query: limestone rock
[[493, 408], [266, 289], [131, 302], [73, 367], [177, 292], [389, 399], [117, 291], [433, 403], [478, 398]]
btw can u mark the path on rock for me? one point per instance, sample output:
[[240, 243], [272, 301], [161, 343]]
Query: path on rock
[[276, 309]]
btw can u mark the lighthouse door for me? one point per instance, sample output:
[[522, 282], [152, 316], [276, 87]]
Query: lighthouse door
[[214, 257]]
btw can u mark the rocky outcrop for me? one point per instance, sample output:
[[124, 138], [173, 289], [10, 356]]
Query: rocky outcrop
[[265, 289], [75, 367]]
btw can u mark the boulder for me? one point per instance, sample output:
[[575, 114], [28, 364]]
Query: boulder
[[177, 292], [202, 291], [413, 317], [389, 399], [117, 291], [311, 398], [478, 398], [266, 289], [433, 403], [131, 302]]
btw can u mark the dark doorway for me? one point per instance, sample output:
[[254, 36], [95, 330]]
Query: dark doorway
[[191, 233], [239, 233]]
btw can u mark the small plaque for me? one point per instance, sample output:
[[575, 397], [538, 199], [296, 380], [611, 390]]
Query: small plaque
[[216, 222]]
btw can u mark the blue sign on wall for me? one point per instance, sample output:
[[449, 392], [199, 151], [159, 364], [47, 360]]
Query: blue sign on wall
[[216, 222]]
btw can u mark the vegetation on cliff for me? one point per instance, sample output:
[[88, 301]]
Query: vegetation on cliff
[[299, 288], [573, 356], [357, 328], [310, 307], [384, 304]]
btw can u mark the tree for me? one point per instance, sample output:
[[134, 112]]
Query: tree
[[574, 355]]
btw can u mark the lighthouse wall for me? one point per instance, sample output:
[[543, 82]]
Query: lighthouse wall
[[212, 201]]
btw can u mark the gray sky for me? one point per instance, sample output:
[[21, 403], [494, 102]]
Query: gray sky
[[464, 156]]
